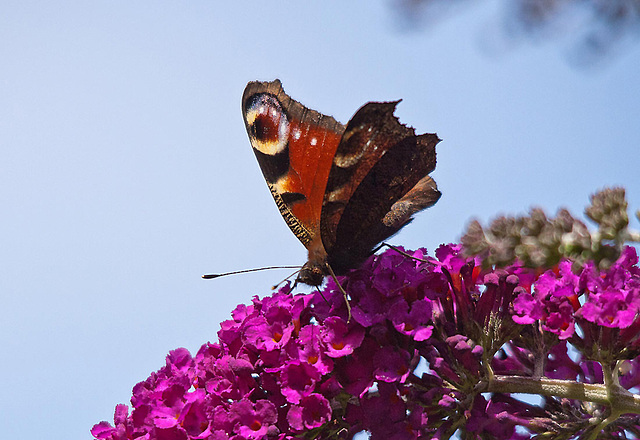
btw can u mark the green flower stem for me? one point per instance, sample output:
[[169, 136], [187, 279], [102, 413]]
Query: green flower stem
[[620, 400]]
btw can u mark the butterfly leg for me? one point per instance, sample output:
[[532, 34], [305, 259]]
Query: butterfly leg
[[346, 299]]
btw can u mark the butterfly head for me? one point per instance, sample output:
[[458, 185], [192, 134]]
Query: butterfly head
[[317, 265], [312, 274]]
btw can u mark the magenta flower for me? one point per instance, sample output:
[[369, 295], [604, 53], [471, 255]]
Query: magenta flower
[[355, 373], [339, 339], [611, 308], [553, 302], [298, 380], [313, 411], [614, 297], [312, 349], [414, 321], [392, 365], [123, 426], [527, 309], [253, 420]]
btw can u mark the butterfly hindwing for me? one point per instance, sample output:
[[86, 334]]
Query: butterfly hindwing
[[378, 179]]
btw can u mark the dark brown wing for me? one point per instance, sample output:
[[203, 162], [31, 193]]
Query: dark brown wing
[[378, 180]]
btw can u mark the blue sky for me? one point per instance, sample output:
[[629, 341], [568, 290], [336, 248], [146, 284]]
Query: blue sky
[[126, 172]]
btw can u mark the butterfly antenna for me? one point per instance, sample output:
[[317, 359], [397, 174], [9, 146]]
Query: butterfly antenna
[[274, 287], [401, 252], [346, 299], [224, 274]]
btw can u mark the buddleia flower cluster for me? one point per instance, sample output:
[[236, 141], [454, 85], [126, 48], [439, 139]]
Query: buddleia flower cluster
[[450, 345]]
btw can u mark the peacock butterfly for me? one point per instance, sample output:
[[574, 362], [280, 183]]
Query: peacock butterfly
[[341, 189]]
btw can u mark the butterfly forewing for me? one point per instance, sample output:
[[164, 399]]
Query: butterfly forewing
[[294, 147]]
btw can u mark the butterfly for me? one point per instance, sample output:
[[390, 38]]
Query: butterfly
[[342, 189]]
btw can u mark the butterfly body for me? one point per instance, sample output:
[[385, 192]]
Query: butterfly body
[[341, 189]]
